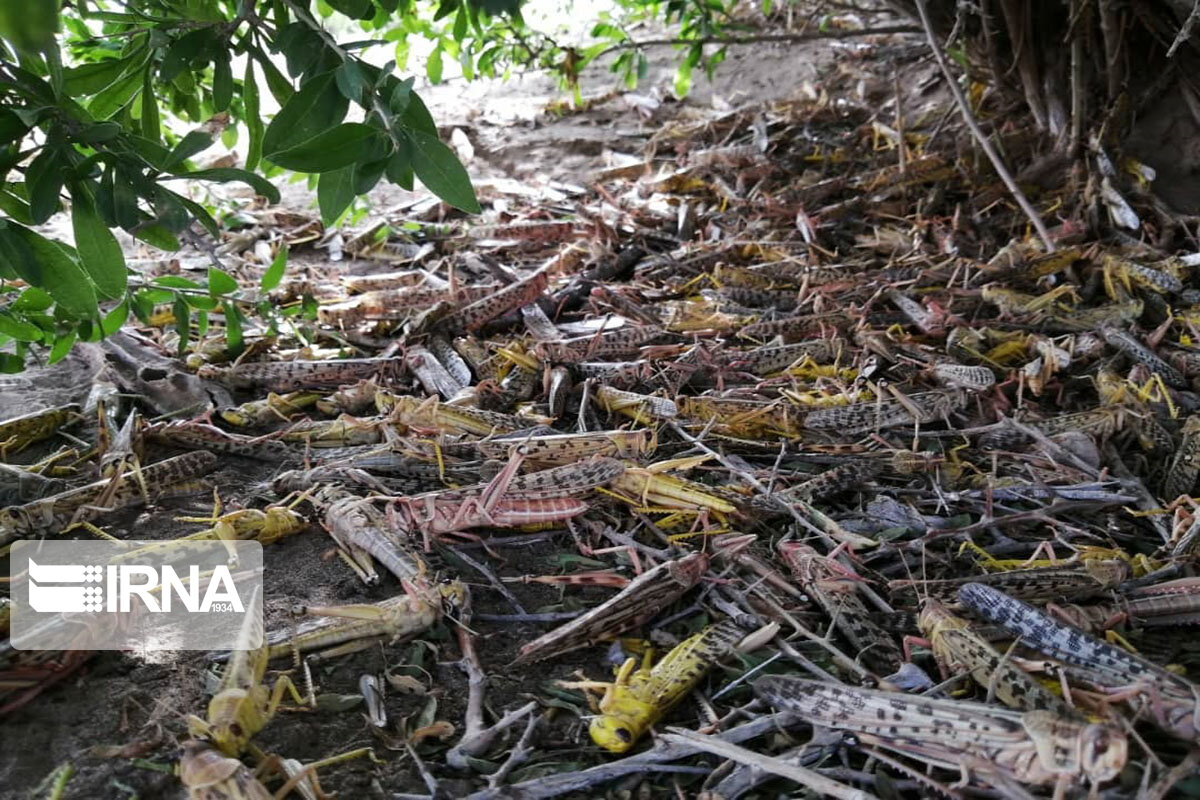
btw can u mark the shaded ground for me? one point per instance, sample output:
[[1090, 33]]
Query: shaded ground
[[116, 701]]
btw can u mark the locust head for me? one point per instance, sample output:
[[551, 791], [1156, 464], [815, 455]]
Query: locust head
[[1104, 750]]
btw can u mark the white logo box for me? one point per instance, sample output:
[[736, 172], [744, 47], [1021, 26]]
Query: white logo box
[[135, 595]]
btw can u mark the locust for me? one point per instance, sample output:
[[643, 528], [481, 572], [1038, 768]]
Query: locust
[[343, 629], [288, 376], [18, 485], [651, 487], [1185, 465], [398, 303], [267, 526], [1083, 578], [475, 315], [1167, 603], [602, 344], [210, 775], [764, 361], [641, 599], [275, 408], [1036, 747], [363, 532], [86, 502], [859, 418], [566, 448], [958, 648], [832, 586], [17, 433], [842, 478], [747, 418], [201, 436], [639, 697], [506, 501], [642, 408], [451, 419], [1137, 352], [1171, 701], [345, 431], [242, 704]]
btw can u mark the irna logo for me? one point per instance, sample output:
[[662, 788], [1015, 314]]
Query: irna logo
[[93, 587], [126, 595]]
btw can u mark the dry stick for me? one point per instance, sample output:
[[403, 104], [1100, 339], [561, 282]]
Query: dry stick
[[998, 164], [793, 772], [491, 579], [520, 753], [755, 484], [764, 38], [1185, 31], [477, 738], [653, 760]]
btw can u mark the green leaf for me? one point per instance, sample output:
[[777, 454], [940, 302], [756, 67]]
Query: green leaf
[[151, 121], [221, 282], [158, 236], [29, 25], [57, 272], [274, 273], [10, 364], [316, 108], [44, 180], [183, 325], [279, 86], [227, 174], [177, 282], [438, 168], [433, 67], [98, 249], [11, 127], [32, 299], [254, 125], [355, 9], [683, 79], [15, 207], [417, 116], [350, 81], [183, 52], [201, 302], [368, 174], [19, 329], [401, 96], [338, 147], [335, 193], [196, 141], [114, 319], [88, 79], [399, 167], [222, 82], [62, 346], [233, 328], [108, 102]]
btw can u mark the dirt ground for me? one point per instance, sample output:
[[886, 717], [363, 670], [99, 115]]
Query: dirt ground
[[118, 719]]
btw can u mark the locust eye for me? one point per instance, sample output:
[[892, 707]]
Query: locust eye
[[624, 735], [235, 729]]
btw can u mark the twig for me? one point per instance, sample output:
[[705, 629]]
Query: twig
[[763, 38], [491, 579], [997, 163], [793, 772], [519, 753], [477, 738], [431, 782], [652, 760], [1185, 30]]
